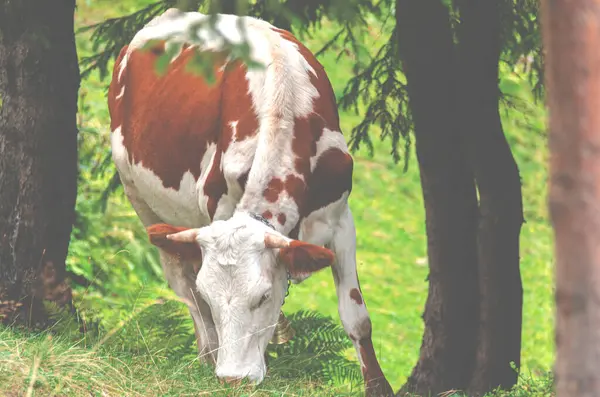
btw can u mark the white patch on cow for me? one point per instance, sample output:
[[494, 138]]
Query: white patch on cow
[[177, 207], [329, 139], [244, 287], [233, 125], [319, 226], [123, 65], [121, 93], [119, 154], [205, 165]]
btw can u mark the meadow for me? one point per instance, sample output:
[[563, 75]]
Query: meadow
[[109, 246]]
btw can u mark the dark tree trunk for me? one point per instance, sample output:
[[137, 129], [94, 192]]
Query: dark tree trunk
[[451, 312], [499, 186], [39, 80], [228, 6], [571, 33]]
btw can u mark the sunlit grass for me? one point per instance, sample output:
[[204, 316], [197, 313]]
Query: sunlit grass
[[47, 364]]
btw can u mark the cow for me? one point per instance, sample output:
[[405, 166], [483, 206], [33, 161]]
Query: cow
[[242, 182]]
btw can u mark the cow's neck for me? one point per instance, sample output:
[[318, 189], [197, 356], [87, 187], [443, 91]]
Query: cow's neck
[[276, 195]]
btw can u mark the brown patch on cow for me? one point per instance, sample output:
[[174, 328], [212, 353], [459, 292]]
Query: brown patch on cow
[[307, 131], [215, 185], [237, 106], [157, 235], [356, 296], [281, 218], [303, 258], [267, 214], [367, 353], [274, 188], [331, 178], [296, 188], [160, 117]]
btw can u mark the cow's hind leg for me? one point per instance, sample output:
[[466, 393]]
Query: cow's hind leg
[[182, 279], [352, 309]]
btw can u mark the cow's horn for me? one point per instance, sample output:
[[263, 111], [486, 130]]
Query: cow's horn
[[275, 241], [186, 236]]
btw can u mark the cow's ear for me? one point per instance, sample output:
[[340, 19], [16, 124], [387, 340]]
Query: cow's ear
[[302, 259], [186, 250]]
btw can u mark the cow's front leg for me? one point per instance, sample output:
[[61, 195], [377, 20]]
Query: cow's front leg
[[352, 308], [181, 276], [206, 336]]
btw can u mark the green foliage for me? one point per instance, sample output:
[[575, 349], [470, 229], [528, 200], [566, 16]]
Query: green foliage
[[109, 36], [389, 108], [523, 42], [316, 349]]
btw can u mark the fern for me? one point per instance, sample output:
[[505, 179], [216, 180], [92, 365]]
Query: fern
[[317, 351]]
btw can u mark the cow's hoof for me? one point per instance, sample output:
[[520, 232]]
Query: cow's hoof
[[379, 387]]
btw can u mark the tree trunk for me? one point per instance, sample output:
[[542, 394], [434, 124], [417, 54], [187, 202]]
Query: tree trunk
[[228, 6], [500, 203], [451, 312], [571, 33], [39, 80]]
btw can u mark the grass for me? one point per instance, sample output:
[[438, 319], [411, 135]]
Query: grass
[[392, 262], [49, 365], [53, 364]]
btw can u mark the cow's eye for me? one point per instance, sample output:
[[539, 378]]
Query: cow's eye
[[263, 299]]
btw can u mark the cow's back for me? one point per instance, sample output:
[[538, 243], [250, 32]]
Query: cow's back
[[194, 151], [166, 128]]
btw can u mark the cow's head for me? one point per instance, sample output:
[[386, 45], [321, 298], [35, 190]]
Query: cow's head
[[244, 279]]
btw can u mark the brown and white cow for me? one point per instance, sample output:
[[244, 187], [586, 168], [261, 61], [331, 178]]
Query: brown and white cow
[[209, 158]]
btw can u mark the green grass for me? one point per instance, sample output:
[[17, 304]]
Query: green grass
[[51, 363], [111, 248], [45, 364]]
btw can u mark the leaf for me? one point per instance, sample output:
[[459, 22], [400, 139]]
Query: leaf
[[510, 86]]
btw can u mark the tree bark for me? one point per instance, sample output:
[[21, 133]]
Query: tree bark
[[500, 203], [39, 81], [451, 312], [571, 34]]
